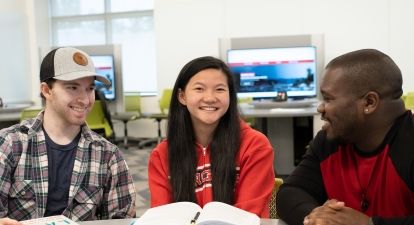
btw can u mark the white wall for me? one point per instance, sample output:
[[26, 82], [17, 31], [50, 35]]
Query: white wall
[[24, 27], [186, 29], [14, 42], [401, 36]]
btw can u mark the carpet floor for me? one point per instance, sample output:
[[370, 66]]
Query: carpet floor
[[137, 160]]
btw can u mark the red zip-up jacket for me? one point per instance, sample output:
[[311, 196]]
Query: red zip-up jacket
[[255, 174]]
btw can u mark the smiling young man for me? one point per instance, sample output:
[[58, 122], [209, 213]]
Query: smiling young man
[[54, 164], [359, 168]]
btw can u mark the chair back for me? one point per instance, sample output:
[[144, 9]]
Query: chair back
[[244, 100], [409, 101], [165, 100], [249, 120], [272, 202], [403, 97], [29, 113], [132, 102], [97, 121]]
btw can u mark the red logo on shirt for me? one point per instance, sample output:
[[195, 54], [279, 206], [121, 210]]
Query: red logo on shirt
[[203, 176]]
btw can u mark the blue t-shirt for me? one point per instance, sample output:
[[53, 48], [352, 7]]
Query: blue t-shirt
[[60, 162]]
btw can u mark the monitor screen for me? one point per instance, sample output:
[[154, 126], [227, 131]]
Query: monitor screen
[[261, 73], [104, 65]]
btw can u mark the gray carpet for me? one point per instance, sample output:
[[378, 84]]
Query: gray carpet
[[137, 160]]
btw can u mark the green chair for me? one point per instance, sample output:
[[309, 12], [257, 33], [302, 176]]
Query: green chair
[[132, 107], [164, 104], [98, 122], [132, 103], [409, 100], [29, 113], [249, 120], [165, 101]]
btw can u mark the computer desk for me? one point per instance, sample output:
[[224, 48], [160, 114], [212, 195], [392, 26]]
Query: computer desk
[[9, 116], [129, 221], [10, 113], [277, 125], [158, 117], [264, 114]]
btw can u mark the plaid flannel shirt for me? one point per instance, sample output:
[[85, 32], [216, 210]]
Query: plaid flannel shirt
[[101, 186]]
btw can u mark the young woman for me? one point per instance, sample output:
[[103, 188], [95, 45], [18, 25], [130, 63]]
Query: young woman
[[210, 154]]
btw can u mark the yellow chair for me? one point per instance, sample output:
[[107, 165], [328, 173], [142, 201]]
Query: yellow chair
[[132, 107], [249, 120], [29, 113], [409, 100], [132, 103], [165, 101], [98, 122], [164, 104], [272, 202]]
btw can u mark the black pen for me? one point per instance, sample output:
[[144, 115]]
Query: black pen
[[195, 218]]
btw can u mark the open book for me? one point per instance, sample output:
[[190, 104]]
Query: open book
[[50, 220], [182, 213]]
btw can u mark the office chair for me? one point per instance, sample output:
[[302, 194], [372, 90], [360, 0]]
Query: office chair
[[165, 101], [403, 97], [249, 120], [29, 113], [97, 121], [132, 102], [409, 101], [272, 202], [164, 104]]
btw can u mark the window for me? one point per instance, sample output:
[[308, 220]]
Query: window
[[97, 22]]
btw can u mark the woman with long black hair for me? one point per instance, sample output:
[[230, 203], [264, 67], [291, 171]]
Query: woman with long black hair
[[210, 154]]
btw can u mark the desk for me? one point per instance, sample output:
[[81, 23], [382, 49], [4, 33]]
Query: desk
[[248, 111], [125, 117], [277, 125], [14, 107], [129, 221], [10, 113], [157, 117], [9, 116]]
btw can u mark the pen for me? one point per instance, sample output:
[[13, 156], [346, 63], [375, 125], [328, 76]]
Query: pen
[[195, 218]]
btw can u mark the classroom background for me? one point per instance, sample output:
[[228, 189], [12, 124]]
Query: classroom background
[[153, 39]]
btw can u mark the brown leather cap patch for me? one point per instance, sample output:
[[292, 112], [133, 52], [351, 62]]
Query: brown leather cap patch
[[80, 59]]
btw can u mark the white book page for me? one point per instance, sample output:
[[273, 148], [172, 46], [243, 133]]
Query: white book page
[[179, 213], [56, 220], [217, 213]]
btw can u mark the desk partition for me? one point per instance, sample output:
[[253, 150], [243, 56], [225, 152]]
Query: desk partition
[[277, 125]]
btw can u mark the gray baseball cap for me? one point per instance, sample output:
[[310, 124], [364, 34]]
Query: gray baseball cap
[[69, 63]]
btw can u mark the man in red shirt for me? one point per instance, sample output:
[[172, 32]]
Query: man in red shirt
[[359, 168]]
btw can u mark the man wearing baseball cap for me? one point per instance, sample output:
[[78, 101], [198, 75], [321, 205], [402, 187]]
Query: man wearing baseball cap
[[54, 164]]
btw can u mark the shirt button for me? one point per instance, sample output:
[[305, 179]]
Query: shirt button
[[23, 193]]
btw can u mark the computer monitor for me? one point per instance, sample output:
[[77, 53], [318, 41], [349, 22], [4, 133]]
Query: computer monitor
[[104, 65], [262, 73]]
